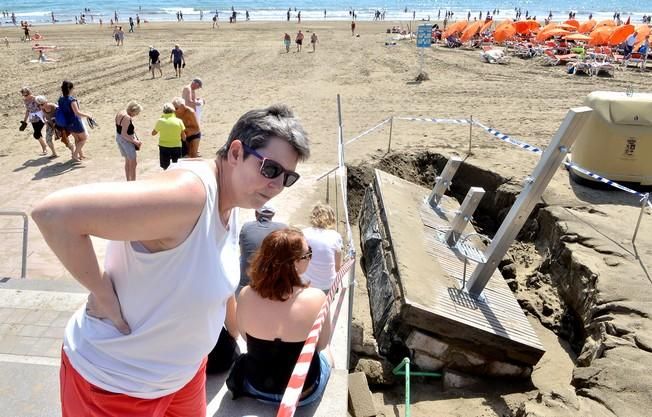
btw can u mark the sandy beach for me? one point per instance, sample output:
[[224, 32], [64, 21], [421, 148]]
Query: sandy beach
[[244, 66]]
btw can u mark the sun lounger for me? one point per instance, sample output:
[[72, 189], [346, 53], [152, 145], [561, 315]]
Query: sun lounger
[[549, 58], [603, 68], [579, 68]]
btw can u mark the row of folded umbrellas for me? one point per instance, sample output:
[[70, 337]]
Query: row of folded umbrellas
[[595, 33]]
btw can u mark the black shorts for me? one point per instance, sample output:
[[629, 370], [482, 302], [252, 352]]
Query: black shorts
[[299, 41], [167, 155], [177, 64], [193, 137], [38, 129]]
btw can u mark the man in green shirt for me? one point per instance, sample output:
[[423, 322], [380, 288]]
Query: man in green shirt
[[172, 133]]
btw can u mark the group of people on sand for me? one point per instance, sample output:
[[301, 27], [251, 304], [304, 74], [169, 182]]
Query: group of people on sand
[[177, 58], [60, 120], [165, 294], [298, 40], [178, 129]]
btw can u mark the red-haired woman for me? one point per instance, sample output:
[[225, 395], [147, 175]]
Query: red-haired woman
[[275, 314]]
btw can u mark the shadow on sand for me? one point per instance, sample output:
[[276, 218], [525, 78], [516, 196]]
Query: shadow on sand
[[57, 169]]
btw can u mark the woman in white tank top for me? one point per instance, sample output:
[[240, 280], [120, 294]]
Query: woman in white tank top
[[157, 306]]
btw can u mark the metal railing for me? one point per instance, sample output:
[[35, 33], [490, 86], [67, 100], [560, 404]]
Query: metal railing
[[25, 229]]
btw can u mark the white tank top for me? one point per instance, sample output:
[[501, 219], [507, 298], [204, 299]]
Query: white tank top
[[174, 302]]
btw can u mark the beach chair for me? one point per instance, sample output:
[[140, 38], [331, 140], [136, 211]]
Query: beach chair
[[549, 58], [603, 68], [579, 68]]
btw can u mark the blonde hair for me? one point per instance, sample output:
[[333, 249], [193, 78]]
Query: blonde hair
[[322, 216], [134, 108]]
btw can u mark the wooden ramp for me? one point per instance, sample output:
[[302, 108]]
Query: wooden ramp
[[431, 274]]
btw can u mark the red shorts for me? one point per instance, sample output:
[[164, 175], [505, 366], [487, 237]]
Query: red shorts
[[81, 398]]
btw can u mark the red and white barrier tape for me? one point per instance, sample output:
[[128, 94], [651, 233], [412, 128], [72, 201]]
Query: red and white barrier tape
[[295, 385]]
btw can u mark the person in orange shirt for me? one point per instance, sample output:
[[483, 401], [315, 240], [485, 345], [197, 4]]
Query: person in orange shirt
[[190, 147]]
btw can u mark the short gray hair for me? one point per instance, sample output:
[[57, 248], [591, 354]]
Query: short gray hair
[[256, 127], [168, 108], [198, 81], [178, 102], [40, 99], [134, 108]]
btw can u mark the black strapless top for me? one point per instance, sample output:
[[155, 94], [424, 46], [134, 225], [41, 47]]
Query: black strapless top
[[270, 363]]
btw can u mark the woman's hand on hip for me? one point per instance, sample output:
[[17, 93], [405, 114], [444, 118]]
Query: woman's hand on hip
[[104, 304]]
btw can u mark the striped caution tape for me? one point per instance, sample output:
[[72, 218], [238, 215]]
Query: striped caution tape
[[366, 132], [295, 385], [434, 120], [506, 138], [534, 149]]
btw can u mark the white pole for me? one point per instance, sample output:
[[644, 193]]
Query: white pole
[[640, 215]]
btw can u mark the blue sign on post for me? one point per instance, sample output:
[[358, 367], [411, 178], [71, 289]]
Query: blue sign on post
[[424, 36]]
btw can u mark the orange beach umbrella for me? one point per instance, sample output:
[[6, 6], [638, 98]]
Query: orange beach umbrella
[[574, 23], [552, 32], [566, 26], [504, 32], [643, 31], [607, 22], [587, 26], [471, 30], [486, 26], [601, 35], [577, 37], [621, 33], [522, 26], [504, 23], [454, 28]]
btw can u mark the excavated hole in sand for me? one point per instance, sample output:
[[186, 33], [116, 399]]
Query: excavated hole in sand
[[527, 267]]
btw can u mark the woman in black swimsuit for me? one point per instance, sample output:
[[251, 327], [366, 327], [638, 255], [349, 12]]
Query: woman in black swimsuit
[[125, 137]]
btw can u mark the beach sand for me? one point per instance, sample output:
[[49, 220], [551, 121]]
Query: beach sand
[[244, 66]]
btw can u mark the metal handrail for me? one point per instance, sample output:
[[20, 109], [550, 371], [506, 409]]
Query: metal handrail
[[23, 269]]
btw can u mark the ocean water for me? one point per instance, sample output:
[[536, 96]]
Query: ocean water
[[39, 11]]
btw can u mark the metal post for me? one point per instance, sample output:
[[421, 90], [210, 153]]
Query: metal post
[[532, 191], [23, 267], [340, 132], [470, 132], [463, 216], [444, 181], [328, 188], [391, 125], [351, 290], [640, 215]]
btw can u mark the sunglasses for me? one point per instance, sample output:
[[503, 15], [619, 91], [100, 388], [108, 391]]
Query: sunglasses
[[307, 256], [272, 169]]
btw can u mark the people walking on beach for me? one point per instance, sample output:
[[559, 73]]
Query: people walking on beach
[[190, 146], [299, 40], [171, 130], [125, 137], [118, 35], [287, 39], [155, 61], [51, 133], [34, 115], [215, 21], [352, 28], [299, 17], [190, 98], [68, 118], [313, 40], [178, 60], [170, 270], [131, 24]]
